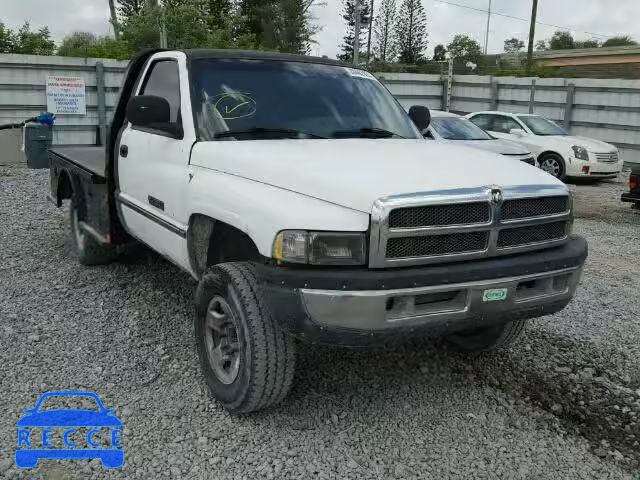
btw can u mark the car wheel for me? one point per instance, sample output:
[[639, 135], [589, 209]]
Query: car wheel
[[488, 338], [88, 250], [554, 165], [247, 360]]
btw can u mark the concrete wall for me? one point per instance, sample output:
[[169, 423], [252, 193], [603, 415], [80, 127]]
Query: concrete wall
[[22, 92], [607, 110]]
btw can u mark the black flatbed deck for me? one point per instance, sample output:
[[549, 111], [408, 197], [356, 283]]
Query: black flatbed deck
[[91, 159]]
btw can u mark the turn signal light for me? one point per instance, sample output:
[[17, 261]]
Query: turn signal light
[[585, 169]]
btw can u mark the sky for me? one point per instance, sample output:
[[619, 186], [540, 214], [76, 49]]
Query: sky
[[443, 20]]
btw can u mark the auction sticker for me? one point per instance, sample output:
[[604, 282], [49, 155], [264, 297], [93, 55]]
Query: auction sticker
[[494, 294]]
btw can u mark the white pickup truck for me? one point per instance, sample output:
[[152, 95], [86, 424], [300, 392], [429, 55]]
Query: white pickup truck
[[306, 203]]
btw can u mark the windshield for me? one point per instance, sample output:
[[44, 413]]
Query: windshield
[[262, 99], [452, 128], [542, 126]]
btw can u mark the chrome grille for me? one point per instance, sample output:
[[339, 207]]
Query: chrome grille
[[534, 207], [529, 235], [408, 247], [440, 215], [609, 157], [467, 223]]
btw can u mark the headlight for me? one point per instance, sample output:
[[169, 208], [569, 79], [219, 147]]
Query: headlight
[[580, 152], [320, 248]]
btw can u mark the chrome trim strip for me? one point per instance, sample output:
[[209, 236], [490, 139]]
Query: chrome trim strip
[[380, 232]]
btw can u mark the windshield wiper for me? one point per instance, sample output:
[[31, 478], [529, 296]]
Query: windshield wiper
[[263, 132], [366, 132]]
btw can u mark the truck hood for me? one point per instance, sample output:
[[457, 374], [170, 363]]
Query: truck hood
[[354, 173], [504, 147]]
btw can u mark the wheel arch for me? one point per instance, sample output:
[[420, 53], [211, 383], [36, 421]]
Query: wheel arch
[[211, 241], [64, 188]]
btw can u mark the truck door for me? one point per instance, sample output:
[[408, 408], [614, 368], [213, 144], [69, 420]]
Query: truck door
[[153, 169]]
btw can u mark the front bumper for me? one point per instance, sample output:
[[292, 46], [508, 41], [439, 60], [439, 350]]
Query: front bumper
[[594, 169], [360, 307], [630, 197]]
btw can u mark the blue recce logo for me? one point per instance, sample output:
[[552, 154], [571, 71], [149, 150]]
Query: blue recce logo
[[31, 448]]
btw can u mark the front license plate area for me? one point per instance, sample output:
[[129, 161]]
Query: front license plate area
[[495, 294]]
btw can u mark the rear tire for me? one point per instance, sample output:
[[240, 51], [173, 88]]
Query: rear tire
[[88, 250], [553, 164], [488, 338], [248, 362]]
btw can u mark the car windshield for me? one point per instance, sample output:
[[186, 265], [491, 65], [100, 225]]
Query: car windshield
[[453, 128], [246, 99], [542, 126], [64, 402]]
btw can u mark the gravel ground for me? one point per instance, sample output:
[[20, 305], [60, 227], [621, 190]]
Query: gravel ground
[[563, 403]]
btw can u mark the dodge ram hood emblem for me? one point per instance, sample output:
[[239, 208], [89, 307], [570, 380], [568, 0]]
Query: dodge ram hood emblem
[[496, 196]]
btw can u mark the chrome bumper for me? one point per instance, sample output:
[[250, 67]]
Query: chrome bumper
[[461, 303]]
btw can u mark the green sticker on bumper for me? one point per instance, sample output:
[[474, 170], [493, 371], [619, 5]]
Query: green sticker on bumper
[[494, 295]]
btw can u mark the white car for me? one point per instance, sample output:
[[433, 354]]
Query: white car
[[451, 128], [560, 154]]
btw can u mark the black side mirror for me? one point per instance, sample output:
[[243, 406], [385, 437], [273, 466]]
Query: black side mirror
[[148, 111], [421, 116]]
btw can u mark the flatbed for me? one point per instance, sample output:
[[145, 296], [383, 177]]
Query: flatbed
[[91, 159]]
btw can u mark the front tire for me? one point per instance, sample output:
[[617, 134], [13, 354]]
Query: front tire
[[553, 164], [488, 338], [88, 250], [247, 360]]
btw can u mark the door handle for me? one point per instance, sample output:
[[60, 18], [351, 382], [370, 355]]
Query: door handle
[[124, 150]]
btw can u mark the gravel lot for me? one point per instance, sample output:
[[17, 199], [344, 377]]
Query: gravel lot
[[563, 403]]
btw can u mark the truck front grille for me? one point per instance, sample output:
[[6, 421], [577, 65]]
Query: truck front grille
[[440, 215], [515, 237], [534, 207], [408, 247], [472, 223]]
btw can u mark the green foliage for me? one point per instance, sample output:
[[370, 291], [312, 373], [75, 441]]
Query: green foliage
[[465, 49], [384, 41], [562, 40], [25, 41], [439, 53], [593, 43], [542, 45], [621, 41], [348, 15], [411, 31], [86, 44], [513, 45]]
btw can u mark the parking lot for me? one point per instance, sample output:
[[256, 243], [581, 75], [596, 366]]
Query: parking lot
[[563, 403]]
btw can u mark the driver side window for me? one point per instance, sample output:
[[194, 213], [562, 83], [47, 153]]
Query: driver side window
[[504, 124]]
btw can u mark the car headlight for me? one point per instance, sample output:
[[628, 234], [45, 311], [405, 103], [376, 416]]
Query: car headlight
[[580, 152], [320, 248]]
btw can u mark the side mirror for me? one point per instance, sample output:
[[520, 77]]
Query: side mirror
[[518, 132], [421, 117], [149, 111]]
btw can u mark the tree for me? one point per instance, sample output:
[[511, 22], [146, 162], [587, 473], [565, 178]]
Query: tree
[[411, 31], [439, 53], [7, 39], [25, 41], [593, 43], [513, 45], [348, 14], [297, 26], [542, 45], [86, 44], [464, 48], [130, 8], [621, 41], [384, 41], [561, 40]]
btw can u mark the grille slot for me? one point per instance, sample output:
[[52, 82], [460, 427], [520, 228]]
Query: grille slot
[[546, 232], [440, 215], [408, 247], [609, 157], [534, 207]]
